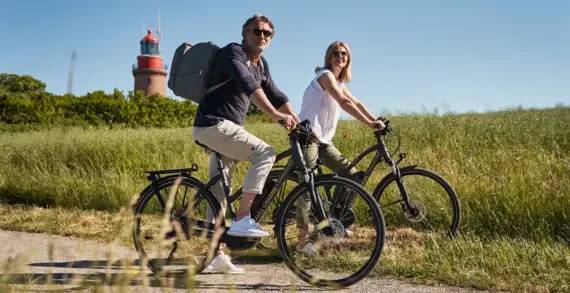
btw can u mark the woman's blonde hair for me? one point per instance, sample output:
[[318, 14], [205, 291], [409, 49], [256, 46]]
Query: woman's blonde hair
[[346, 72]]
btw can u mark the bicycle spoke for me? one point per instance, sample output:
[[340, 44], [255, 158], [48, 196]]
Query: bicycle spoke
[[176, 244], [435, 207], [330, 253], [392, 203]]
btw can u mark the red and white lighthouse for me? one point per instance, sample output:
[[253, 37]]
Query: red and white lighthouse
[[149, 71]]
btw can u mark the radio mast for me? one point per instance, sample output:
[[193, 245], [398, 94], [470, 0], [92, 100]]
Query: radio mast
[[71, 72]]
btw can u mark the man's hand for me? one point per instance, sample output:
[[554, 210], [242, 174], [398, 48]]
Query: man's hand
[[288, 121], [259, 99], [287, 109]]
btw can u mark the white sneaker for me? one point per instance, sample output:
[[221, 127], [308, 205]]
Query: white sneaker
[[308, 249], [246, 227], [348, 233], [222, 263]]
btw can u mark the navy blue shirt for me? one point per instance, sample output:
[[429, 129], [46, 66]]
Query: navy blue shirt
[[231, 101]]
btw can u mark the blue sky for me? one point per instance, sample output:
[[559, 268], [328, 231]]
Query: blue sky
[[408, 55]]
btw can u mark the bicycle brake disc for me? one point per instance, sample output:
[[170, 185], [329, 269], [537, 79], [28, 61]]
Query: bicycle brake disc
[[419, 215]]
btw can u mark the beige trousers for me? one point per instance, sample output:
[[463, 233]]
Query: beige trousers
[[235, 144], [333, 159]]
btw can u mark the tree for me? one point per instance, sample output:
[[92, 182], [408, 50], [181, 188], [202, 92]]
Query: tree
[[21, 83]]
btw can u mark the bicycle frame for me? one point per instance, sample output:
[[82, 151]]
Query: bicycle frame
[[263, 208], [216, 231], [297, 161], [381, 154]]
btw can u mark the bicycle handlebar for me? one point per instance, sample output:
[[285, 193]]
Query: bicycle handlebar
[[304, 129], [385, 131], [388, 127]]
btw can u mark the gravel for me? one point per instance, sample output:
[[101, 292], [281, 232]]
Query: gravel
[[78, 264]]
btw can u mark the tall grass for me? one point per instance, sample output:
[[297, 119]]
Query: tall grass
[[510, 169]]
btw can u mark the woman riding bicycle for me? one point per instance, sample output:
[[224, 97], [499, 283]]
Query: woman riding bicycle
[[323, 99]]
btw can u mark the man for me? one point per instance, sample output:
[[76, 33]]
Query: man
[[220, 116]]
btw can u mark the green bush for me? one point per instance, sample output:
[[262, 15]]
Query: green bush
[[95, 108], [24, 104]]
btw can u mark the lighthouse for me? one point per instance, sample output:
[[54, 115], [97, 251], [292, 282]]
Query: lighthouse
[[149, 70]]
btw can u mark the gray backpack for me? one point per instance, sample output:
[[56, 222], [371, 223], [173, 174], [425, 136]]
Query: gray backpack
[[190, 69]]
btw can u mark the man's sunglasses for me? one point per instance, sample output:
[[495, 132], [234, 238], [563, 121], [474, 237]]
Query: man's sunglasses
[[339, 53], [258, 32]]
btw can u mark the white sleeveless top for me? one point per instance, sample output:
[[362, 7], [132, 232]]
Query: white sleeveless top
[[321, 109]]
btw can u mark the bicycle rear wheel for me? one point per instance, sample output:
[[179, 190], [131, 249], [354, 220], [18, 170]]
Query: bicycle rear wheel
[[164, 232], [340, 257]]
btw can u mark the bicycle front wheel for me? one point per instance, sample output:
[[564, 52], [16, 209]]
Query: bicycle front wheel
[[337, 250], [435, 205]]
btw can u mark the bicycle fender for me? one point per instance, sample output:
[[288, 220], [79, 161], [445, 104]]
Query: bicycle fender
[[148, 188]]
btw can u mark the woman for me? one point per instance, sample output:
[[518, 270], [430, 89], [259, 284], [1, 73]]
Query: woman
[[323, 99]]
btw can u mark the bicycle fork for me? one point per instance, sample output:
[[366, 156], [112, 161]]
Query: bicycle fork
[[309, 178], [406, 205]]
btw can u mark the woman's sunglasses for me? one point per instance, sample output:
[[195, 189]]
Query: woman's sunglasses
[[259, 32], [339, 53]]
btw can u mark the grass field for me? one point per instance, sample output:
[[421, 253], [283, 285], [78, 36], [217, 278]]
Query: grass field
[[510, 169]]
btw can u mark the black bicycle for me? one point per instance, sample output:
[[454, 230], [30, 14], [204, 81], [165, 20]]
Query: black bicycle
[[186, 232], [413, 188]]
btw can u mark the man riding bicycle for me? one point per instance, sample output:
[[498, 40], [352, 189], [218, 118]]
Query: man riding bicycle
[[220, 116]]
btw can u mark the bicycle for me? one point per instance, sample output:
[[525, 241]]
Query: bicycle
[[182, 224], [414, 211]]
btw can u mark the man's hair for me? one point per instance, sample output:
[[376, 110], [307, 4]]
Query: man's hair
[[256, 17]]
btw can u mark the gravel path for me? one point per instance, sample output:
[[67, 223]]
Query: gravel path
[[73, 259]]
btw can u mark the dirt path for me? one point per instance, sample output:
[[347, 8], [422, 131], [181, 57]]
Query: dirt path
[[87, 260]]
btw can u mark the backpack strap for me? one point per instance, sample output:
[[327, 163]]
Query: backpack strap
[[263, 64], [219, 85], [215, 87]]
